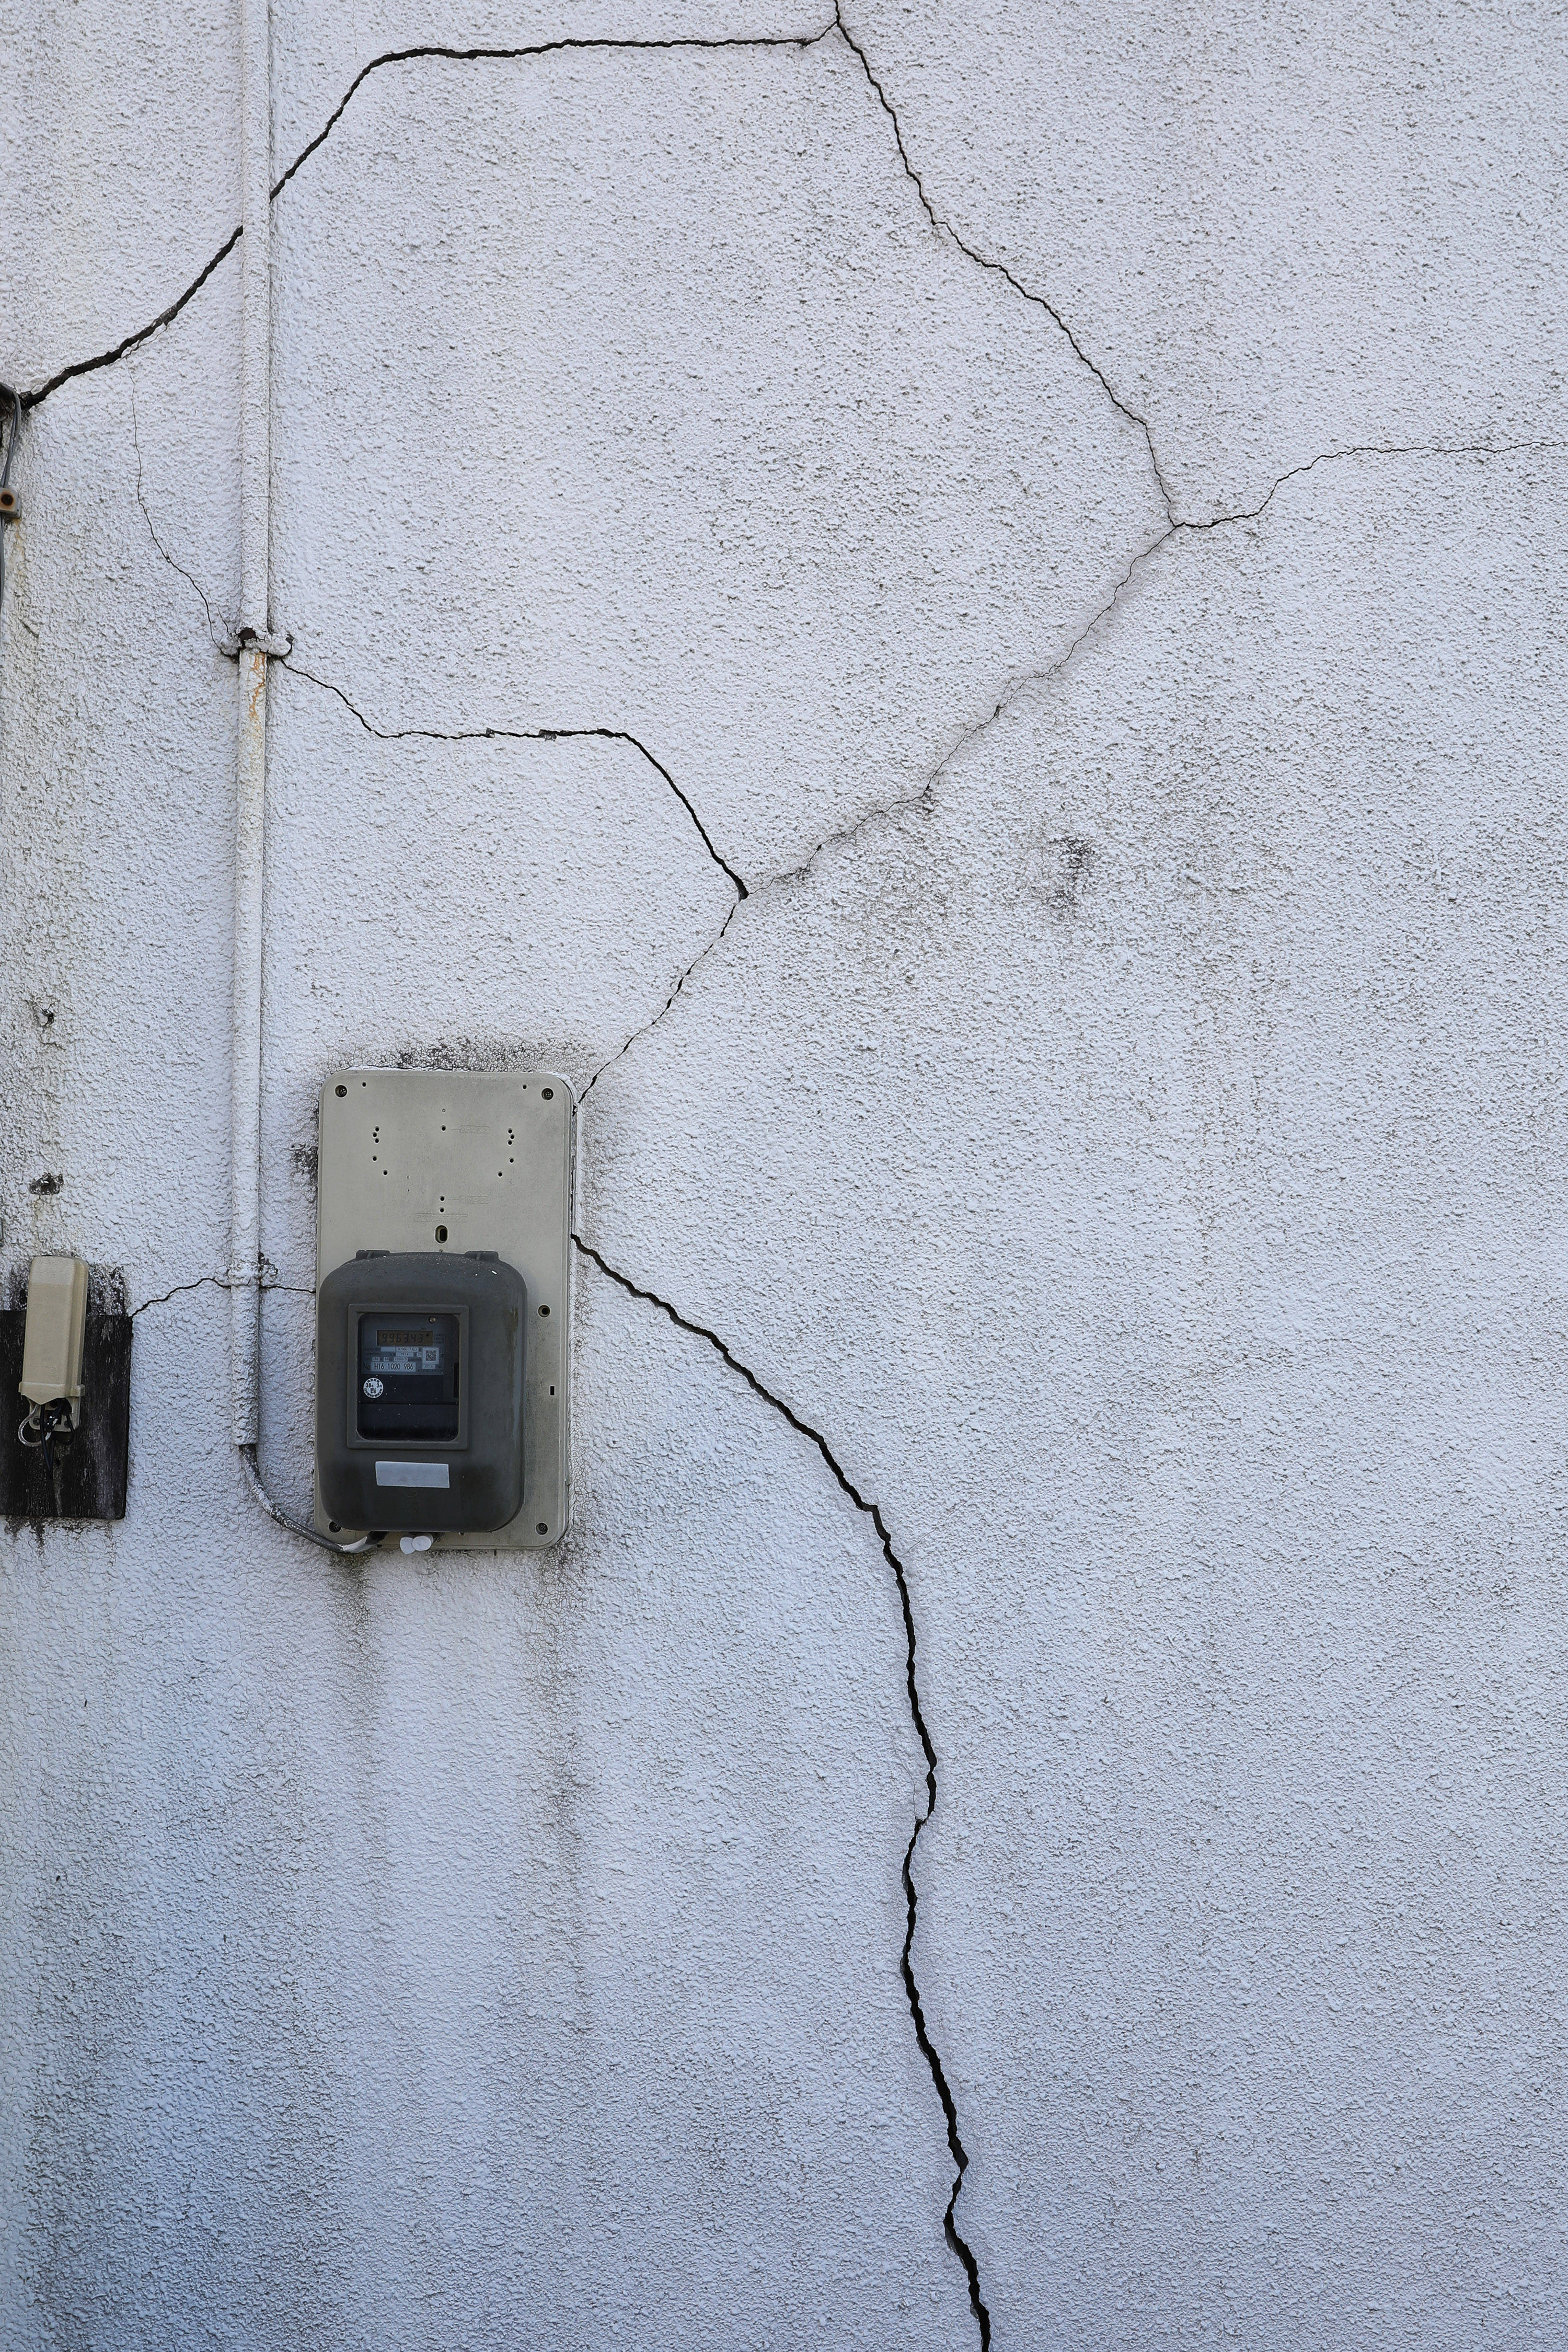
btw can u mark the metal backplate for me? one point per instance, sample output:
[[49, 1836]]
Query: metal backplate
[[468, 1160]]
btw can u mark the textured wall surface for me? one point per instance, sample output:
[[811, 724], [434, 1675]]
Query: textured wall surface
[[1074, 502]]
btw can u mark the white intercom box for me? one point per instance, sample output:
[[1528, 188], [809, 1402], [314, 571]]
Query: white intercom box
[[457, 1163]]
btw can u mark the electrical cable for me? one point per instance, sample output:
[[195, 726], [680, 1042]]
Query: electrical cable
[[7, 502], [42, 1427], [297, 1527]]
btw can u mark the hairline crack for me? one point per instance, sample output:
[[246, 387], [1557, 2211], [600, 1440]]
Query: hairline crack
[[218, 1282], [922, 797], [172, 561]]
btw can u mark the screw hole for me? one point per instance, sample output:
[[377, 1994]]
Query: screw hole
[[544, 1310], [440, 1233], [342, 1090], [334, 1527], [549, 1092], [543, 1528]]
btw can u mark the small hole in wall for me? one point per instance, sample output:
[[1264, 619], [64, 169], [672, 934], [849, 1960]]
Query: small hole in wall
[[553, 1389], [544, 1310], [334, 1527], [440, 1233], [342, 1090], [543, 1528], [549, 1092]]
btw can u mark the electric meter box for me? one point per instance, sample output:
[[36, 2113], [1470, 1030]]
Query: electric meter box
[[443, 1289]]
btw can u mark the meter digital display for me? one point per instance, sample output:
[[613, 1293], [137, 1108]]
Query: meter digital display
[[401, 1351], [408, 1370]]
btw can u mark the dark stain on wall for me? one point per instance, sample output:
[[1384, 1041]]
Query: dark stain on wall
[[87, 1478]]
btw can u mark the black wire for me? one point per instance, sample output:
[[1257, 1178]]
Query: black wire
[[8, 391], [50, 1427]]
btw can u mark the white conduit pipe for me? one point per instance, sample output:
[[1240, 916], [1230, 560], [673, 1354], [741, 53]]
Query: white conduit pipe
[[250, 765], [256, 645]]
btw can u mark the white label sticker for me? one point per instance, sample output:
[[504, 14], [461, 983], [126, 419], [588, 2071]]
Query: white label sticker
[[412, 1473]]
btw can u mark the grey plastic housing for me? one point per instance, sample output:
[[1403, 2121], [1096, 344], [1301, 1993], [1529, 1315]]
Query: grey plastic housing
[[375, 1481], [448, 1162]]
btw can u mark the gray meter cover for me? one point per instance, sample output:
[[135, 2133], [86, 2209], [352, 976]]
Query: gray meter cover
[[419, 1391]]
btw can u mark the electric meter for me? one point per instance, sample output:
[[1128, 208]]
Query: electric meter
[[443, 1240], [419, 1362]]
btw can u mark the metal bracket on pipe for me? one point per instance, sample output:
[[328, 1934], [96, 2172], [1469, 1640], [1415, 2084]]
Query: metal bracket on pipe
[[257, 641]]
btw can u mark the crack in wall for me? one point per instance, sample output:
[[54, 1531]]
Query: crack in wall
[[1173, 531], [394, 58], [944, 227], [528, 735], [562, 735], [172, 561], [218, 1282], [872, 1511], [708, 948], [609, 44], [923, 797]]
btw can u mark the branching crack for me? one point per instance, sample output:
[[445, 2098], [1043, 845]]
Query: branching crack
[[924, 796], [139, 335], [872, 1511], [608, 45], [564, 735], [1173, 531]]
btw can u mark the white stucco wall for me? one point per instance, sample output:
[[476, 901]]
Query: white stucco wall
[[1117, 640]]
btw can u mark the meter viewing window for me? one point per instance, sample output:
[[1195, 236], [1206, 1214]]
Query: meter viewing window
[[409, 1377]]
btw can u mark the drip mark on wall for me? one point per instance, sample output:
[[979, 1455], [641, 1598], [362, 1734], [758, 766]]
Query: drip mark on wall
[[872, 1511]]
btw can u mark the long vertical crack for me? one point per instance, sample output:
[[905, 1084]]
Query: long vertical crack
[[929, 2050]]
